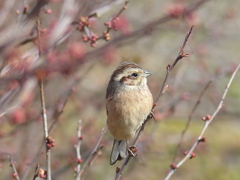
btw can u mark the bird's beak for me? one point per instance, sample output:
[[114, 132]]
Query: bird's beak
[[147, 73]]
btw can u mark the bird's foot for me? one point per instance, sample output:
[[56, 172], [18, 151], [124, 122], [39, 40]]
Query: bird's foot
[[132, 151], [151, 115]]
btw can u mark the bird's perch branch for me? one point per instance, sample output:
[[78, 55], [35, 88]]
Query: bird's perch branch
[[169, 69]]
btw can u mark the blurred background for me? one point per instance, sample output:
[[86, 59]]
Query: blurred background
[[76, 74]]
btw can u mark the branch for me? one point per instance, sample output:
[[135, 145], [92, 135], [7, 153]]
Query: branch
[[190, 117], [45, 127], [163, 88], [209, 119], [65, 94], [83, 25], [170, 67], [15, 175], [35, 11], [78, 147], [93, 158], [209, 83], [36, 171], [56, 110], [93, 153], [48, 140], [147, 28], [118, 41]]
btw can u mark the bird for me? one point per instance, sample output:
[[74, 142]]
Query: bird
[[128, 103]]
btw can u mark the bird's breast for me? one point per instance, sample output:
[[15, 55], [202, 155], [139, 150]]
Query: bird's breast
[[127, 111]]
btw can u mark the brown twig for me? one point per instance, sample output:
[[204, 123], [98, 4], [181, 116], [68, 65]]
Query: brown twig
[[43, 106], [190, 117], [189, 120], [118, 41], [145, 30], [110, 25], [65, 94], [169, 69], [119, 172], [207, 122], [35, 11], [92, 37], [93, 158], [36, 171], [119, 13], [16, 176], [78, 147], [93, 153], [58, 112], [54, 112], [45, 127]]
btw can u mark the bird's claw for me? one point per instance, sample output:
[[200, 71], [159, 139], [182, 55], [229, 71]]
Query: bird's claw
[[132, 151], [151, 115]]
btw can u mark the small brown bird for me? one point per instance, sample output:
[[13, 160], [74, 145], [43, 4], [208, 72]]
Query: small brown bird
[[129, 102]]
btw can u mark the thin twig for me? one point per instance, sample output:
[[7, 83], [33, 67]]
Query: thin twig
[[105, 35], [117, 42], [38, 23], [35, 11], [14, 168], [65, 94], [170, 67], [43, 106], [92, 153], [58, 112], [45, 127], [36, 171], [54, 112], [117, 16], [207, 122], [190, 117], [189, 120], [119, 172], [95, 155], [163, 88], [93, 158], [78, 147]]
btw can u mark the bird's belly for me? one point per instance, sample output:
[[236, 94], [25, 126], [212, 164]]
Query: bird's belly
[[126, 113]]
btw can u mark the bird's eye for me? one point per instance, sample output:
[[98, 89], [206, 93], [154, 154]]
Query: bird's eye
[[134, 75]]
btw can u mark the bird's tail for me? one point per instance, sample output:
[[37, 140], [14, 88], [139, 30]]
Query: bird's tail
[[119, 151]]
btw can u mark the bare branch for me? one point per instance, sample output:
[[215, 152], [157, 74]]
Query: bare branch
[[93, 153], [170, 67], [43, 106], [14, 168], [207, 122], [78, 147], [163, 88], [36, 171], [190, 116], [35, 11], [45, 127]]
